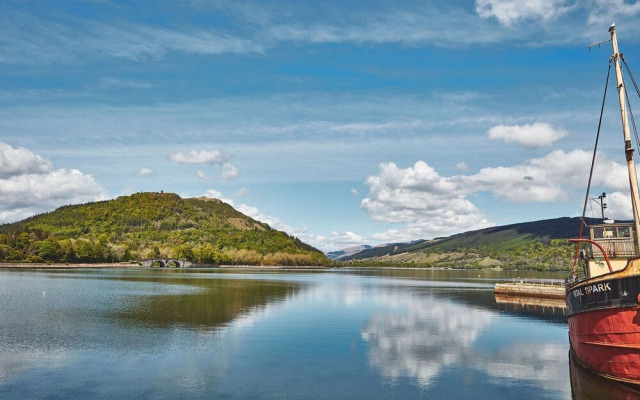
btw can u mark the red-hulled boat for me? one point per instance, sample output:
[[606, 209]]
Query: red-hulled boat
[[603, 305]]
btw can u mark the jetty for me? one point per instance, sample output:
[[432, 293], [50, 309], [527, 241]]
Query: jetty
[[547, 289]]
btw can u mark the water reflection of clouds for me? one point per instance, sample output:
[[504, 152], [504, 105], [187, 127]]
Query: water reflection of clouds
[[544, 362], [429, 336], [421, 336]]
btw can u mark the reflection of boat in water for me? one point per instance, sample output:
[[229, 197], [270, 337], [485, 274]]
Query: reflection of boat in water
[[604, 315], [586, 385], [532, 305]]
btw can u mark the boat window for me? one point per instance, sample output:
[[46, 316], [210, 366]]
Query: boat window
[[597, 232], [611, 232]]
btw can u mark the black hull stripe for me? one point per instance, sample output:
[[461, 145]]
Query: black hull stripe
[[613, 293]]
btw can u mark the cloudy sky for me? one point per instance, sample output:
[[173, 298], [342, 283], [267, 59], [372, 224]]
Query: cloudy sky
[[341, 122]]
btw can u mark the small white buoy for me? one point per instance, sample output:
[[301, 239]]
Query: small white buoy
[[44, 293]]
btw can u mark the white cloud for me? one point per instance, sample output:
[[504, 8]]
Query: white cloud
[[243, 192], [229, 171], [462, 166], [533, 136], [212, 157], [606, 11], [29, 185], [425, 204], [509, 11], [404, 26], [34, 40], [214, 194], [429, 204], [38, 40], [17, 214], [19, 161], [200, 157], [618, 206], [346, 239], [369, 127], [138, 41], [145, 172], [354, 191], [203, 175], [549, 178]]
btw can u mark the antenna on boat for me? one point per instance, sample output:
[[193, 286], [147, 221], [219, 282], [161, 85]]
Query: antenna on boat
[[600, 201], [611, 29], [633, 179], [598, 44]]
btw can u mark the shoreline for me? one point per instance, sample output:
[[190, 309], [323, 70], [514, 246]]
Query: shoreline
[[5, 265], [59, 265], [135, 265]]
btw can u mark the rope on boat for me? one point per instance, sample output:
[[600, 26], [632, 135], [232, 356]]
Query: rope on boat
[[635, 85], [626, 92], [633, 120], [593, 160]]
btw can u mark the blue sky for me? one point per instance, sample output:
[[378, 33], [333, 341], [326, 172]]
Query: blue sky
[[341, 122]]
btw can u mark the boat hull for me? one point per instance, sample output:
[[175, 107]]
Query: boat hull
[[608, 342], [604, 325]]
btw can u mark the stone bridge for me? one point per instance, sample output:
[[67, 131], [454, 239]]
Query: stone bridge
[[165, 263]]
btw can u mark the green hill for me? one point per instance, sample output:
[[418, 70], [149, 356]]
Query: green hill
[[529, 245], [151, 225]]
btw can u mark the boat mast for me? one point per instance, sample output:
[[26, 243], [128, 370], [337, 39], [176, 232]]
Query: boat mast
[[633, 180]]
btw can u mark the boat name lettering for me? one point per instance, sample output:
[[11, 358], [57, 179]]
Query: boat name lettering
[[600, 287]]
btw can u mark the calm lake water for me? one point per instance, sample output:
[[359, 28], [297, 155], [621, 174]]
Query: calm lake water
[[229, 334]]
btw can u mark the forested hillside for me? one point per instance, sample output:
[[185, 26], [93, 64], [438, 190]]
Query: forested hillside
[[540, 245], [152, 225]]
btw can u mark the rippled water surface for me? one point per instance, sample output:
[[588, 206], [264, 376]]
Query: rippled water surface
[[172, 334]]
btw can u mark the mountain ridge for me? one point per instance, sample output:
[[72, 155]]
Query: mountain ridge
[[537, 244]]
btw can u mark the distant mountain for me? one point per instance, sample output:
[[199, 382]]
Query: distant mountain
[[152, 225], [499, 246], [347, 252]]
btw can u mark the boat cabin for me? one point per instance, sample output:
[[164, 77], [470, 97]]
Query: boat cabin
[[616, 240]]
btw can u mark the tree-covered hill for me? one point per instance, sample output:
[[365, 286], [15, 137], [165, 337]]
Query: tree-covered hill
[[529, 245], [151, 225]]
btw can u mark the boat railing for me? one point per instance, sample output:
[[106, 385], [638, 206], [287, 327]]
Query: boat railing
[[598, 246], [615, 247], [537, 281]]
